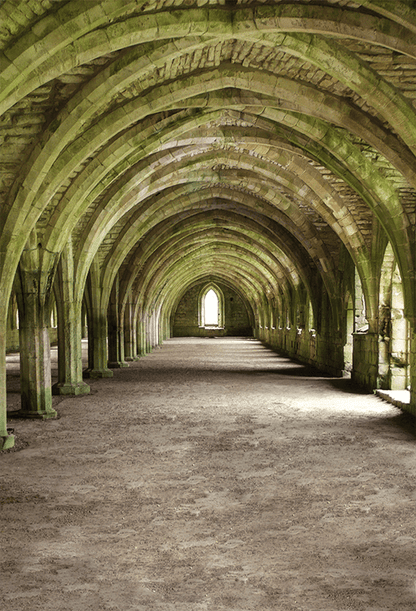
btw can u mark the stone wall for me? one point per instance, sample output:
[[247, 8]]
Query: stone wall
[[365, 360], [307, 347], [236, 320]]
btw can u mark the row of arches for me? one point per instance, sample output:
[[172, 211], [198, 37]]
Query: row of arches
[[147, 150], [393, 326], [393, 331], [293, 324]]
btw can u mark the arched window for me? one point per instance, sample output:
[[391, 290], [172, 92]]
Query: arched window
[[211, 307]]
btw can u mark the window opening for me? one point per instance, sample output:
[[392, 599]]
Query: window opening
[[211, 308]]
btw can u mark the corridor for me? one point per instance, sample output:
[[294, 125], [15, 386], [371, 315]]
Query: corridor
[[210, 475]]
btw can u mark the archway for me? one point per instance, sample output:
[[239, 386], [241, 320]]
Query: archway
[[211, 307], [211, 311]]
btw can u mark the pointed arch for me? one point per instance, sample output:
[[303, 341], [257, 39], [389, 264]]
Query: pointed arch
[[202, 313]]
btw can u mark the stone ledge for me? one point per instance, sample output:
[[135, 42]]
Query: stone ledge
[[399, 398]]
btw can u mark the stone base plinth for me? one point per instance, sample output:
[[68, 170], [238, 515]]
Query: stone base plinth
[[98, 373], [6, 442], [70, 389], [40, 415]]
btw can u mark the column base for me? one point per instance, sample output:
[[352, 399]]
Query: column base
[[98, 373], [61, 388], [6, 442], [129, 359], [117, 364], [40, 415]]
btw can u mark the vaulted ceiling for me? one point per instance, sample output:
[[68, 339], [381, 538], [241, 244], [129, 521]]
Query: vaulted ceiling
[[260, 143]]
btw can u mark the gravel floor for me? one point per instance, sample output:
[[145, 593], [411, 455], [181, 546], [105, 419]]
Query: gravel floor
[[211, 475]]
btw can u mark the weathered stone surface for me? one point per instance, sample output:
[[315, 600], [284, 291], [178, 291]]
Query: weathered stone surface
[[269, 148]]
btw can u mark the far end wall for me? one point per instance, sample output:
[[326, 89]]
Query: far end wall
[[236, 320]]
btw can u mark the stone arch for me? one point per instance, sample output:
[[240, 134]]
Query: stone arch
[[56, 56], [259, 236], [274, 122], [297, 40]]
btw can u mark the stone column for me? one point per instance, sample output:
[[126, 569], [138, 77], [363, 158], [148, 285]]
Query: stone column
[[412, 366], [148, 332], [6, 440], [336, 367], [84, 326], [98, 353], [140, 335], [164, 327], [157, 341], [33, 288], [70, 380], [13, 311], [399, 350], [115, 330], [130, 340], [97, 331]]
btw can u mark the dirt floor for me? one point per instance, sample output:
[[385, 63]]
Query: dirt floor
[[211, 475]]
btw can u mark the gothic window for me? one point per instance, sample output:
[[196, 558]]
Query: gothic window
[[211, 307]]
